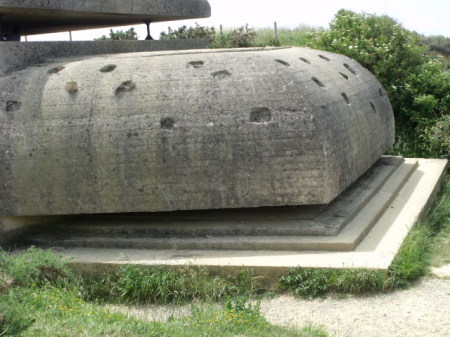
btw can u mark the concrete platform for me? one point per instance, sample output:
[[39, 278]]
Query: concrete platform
[[376, 250], [338, 226]]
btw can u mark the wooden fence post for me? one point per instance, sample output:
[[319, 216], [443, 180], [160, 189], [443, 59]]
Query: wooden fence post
[[275, 28]]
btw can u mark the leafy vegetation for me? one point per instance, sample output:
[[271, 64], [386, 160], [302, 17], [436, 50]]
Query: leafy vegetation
[[130, 34], [298, 36], [418, 84], [237, 38], [439, 44]]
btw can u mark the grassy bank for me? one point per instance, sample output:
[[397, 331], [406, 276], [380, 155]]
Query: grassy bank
[[41, 296]]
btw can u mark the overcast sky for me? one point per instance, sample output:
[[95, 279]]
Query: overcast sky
[[429, 17]]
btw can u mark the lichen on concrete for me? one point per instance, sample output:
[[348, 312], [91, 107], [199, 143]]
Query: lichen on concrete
[[188, 130]]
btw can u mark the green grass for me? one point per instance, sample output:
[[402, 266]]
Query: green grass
[[52, 311], [440, 220], [41, 296], [286, 37], [162, 285]]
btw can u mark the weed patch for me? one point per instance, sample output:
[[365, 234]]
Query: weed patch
[[161, 285]]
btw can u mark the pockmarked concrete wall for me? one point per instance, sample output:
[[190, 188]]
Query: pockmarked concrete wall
[[18, 55], [166, 131]]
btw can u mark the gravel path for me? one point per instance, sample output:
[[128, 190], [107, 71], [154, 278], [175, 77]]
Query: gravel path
[[420, 311], [423, 310]]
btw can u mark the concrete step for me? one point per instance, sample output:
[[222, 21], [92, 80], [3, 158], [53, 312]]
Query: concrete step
[[376, 251], [345, 221]]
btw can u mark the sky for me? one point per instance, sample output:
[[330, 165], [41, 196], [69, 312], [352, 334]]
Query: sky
[[428, 17]]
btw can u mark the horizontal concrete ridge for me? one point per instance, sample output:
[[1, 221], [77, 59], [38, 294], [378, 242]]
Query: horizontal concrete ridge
[[168, 131], [375, 251], [44, 16], [281, 228]]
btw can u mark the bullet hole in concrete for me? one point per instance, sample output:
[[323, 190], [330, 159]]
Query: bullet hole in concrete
[[72, 87], [141, 189], [344, 76], [380, 91], [324, 57], [125, 87], [318, 82], [260, 115], [196, 64], [304, 60], [221, 74], [12, 106], [345, 97], [108, 68], [283, 62], [350, 68], [373, 107], [55, 70], [167, 123], [129, 134]]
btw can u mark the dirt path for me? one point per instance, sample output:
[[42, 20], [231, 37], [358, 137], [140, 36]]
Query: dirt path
[[420, 311], [423, 310]]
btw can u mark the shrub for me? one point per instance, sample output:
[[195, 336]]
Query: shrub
[[130, 34], [236, 38], [418, 84], [197, 32]]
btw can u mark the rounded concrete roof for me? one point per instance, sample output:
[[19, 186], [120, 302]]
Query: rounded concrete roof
[[167, 131]]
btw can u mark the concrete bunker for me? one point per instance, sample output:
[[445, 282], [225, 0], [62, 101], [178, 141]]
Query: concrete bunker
[[209, 130]]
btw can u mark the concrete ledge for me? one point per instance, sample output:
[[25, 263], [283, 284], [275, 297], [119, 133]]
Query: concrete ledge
[[19, 55], [15, 230], [48, 16], [376, 251]]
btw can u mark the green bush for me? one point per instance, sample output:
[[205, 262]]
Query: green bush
[[130, 34], [197, 32], [236, 38], [298, 36], [418, 84], [439, 44], [436, 138]]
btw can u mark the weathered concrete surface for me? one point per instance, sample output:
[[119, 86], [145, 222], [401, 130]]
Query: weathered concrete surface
[[30, 17], [167, 228], [18, 55], [376, 251], [188, 130], [15, 231], [338, 226]]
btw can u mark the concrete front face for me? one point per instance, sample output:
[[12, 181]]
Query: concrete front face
[[49, 16], [188, 130]]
